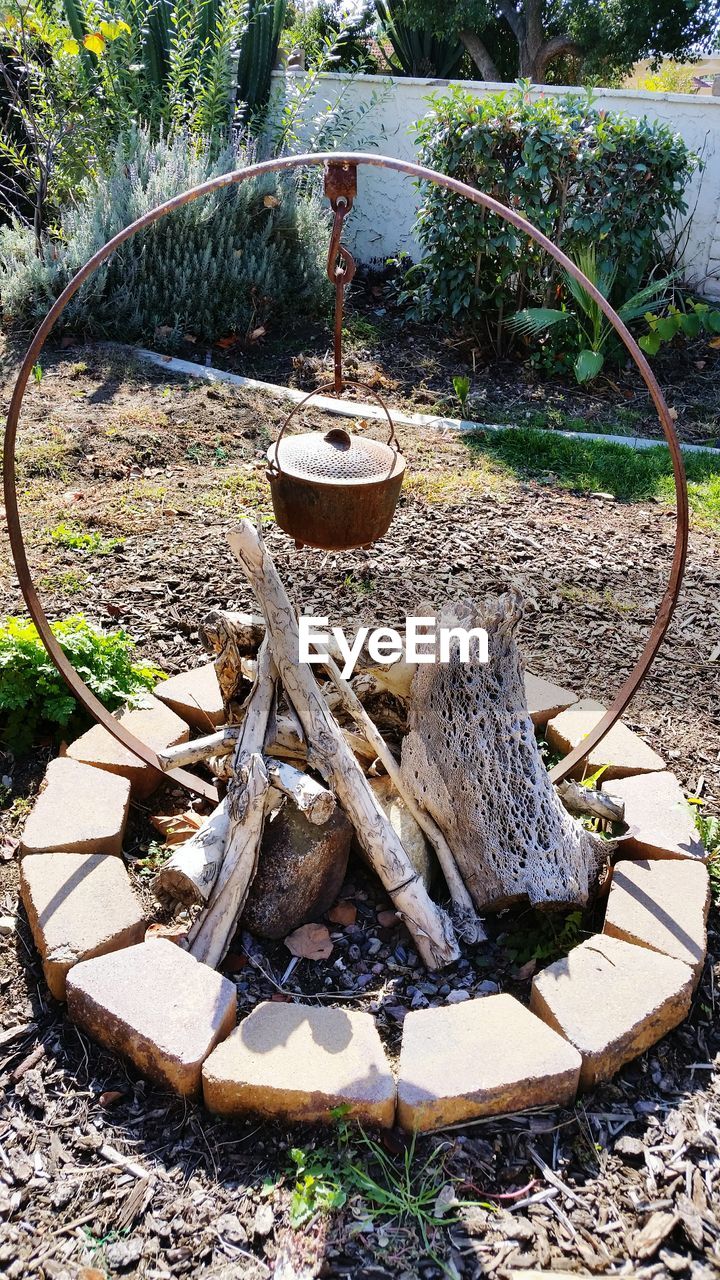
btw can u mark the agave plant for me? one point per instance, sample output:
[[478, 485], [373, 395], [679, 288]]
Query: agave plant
[[593, 330], [418, 51]]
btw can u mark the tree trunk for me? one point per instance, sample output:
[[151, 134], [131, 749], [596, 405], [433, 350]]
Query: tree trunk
[[480, 56]]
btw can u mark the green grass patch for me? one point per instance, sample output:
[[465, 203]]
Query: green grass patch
[[589, 466]]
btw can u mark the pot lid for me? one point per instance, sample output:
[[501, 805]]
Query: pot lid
[[335, 458]]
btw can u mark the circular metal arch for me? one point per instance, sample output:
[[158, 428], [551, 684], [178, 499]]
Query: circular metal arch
[[81, 691]]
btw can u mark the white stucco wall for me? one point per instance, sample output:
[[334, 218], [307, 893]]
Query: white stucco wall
[[381, 224]]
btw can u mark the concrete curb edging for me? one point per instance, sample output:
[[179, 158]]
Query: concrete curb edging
[[357, 409]]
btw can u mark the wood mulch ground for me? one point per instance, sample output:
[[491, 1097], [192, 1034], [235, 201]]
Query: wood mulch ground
[[99, 1170]]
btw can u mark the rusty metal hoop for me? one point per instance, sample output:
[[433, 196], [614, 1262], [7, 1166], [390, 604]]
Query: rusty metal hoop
[[419, 173]]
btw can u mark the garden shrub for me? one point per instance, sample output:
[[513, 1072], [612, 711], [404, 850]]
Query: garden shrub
[[33, 694], [224, 264], [583, 176]]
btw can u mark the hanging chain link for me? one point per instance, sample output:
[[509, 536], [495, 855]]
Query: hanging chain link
[[340, 188]]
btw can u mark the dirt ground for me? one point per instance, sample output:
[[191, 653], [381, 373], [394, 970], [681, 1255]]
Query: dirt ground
[[102, 1173]]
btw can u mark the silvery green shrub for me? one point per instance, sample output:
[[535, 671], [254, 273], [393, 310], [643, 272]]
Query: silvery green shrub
[[241, 257]]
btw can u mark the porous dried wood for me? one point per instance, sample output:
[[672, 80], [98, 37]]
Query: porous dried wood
[[471, 760]]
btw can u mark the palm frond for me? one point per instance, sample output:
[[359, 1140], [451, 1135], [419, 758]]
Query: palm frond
[[638, 304], [534, 320]]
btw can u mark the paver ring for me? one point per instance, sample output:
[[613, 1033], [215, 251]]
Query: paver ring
[[77, 686]]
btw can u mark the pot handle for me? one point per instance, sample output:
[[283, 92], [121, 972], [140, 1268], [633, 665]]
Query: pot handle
[[274, 464]]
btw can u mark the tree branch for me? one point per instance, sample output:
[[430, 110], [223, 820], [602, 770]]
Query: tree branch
[[552, 49]]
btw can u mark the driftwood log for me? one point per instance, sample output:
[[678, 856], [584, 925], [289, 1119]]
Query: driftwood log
[[428, 924], [212, 932], [471, 759]]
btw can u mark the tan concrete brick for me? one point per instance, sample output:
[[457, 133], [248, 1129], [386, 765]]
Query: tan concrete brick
[[622, 751], [545, 699], [662, 905], [612, 1000], [81, 810], [194, 695], [662, 821], [154, 724], [479, 1058], [156, 1005], [78, 905], [296, 1062]]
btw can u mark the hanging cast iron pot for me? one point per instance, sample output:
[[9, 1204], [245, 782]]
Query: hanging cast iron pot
[[334, 490]]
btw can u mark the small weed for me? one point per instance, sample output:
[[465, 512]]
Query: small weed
[[401, 1191], [156, 855], [360, 329], [364, 585], [543, 936], [19, 810], [241, 489], [37, 373], [69, 582], [90, 542], [461, 384], [597, 599], [318, 1185], [709, 832], [77, 370]]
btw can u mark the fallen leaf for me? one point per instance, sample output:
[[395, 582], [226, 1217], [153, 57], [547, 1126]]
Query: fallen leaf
[[164, 331], [177, 827], [673, 414], [233, 962], [526, 970], [715, 343], [258, 333], [173, 932], [387, 919], [271, 202], [310, 942], [9, 846], [224, 343], [110, 1096], [343, 913]]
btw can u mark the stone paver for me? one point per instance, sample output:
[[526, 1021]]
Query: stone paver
[[296, 1062], [194, 695], [662, 820], [612, 1000], [479, 1058], [156, 1005], [545, 699], [81, 810], [154, 724], [662, 905], [78, 905], [621, 750]]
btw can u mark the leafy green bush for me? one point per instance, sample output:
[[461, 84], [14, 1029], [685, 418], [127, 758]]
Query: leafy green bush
[[226, 263], [33, 694], [580, 175]]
